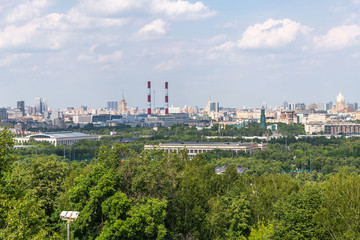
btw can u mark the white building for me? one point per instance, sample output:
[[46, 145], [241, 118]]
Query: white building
[[311, 128], [57, 138], [82, 119], [194, 148]]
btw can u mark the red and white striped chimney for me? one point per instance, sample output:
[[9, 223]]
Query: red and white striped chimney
[[166, 98], [149, 98]]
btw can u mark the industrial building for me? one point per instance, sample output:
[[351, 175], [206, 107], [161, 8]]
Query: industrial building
[[58, 138], [194, 148]]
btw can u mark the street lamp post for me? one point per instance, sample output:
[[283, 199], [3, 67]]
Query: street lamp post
[[69, 216]]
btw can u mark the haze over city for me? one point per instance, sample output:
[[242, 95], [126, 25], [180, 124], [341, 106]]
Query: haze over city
[[242, 53]]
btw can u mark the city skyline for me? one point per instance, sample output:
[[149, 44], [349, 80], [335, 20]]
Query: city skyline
[[240, 53], [162, 105]]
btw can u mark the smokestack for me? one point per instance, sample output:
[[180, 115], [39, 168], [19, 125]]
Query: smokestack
[[166, 98], [149, 98]]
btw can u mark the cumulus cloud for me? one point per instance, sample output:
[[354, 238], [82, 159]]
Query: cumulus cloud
[[26, 11], [107, 7], [50, 31], [339, 37], [178, 9], [271, 34], [181, 9], [153, 29], [14, 36], [28, 25]]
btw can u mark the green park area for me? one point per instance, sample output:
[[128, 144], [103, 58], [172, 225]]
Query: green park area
[[306, 188]]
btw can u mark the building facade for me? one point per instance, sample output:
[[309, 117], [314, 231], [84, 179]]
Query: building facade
[[123, 105], [57, 138], [194, 148], [3, 115], [342, 129]]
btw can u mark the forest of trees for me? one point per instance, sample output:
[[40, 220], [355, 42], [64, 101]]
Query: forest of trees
[[305, 189]]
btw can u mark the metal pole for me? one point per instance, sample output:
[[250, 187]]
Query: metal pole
[[68, 230]]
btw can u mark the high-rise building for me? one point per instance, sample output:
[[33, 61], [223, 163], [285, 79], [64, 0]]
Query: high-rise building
[[329, 105], [3, 114], [21, 106], [112, 105], [285, 105], [355, 106], [38, 105], [41, 105], [262, 119], [122, 105], [321, 106], [299, 107], [339, 105], [212, 106], [45, 107]]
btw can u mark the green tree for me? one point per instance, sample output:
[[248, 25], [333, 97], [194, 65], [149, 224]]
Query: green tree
[[6, 150], [294, 217], [261, 232], [24, 219], [339, 213]]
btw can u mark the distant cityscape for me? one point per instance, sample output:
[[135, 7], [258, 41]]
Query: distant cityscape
[[330, 118]]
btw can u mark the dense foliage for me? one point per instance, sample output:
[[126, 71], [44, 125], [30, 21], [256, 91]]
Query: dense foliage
[[309, 189]]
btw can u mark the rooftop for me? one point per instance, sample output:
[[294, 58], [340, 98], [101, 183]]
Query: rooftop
[[58, 135]]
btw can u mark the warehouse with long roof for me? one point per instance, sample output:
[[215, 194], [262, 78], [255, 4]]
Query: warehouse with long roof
[[57, 138]]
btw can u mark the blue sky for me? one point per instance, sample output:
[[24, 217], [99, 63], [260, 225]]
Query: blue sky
[[242, 53]]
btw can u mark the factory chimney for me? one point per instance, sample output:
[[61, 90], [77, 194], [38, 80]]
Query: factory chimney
[[149, 98], [166, 98]]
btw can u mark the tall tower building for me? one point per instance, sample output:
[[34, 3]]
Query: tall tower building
[[112, 105], [41, 105], [38, 105], [262, 119], [122, 105], [21, 106], [3, 115], [208, 106], [45, 107], [339, 104]]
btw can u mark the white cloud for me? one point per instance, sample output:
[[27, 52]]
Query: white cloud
[[217, 38], [27, 11], [181, 9], [272, 34], [178, 9], [153, 29], [107, 7], [225, 46], [79, 21], [14, 36], [50, 31], [7, 61], [166, 65], [31, 35], [218, 51], [339, 37], [92, 57]]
